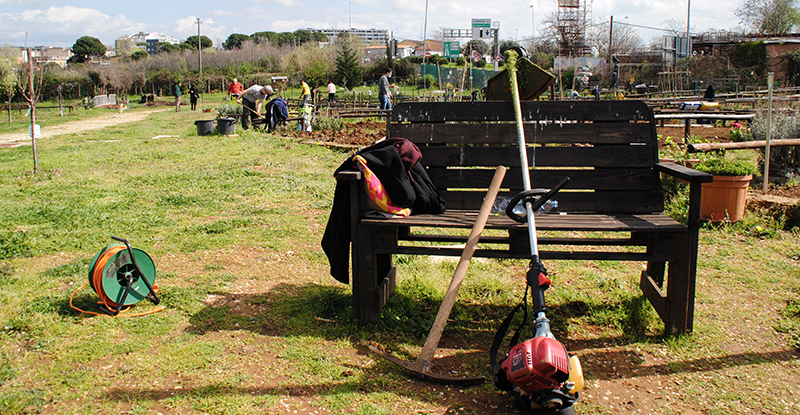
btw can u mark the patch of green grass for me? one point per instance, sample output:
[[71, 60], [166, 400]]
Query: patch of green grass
[[250, 328]]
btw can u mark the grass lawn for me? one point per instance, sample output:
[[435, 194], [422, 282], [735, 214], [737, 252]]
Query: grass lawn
[[254, 324]]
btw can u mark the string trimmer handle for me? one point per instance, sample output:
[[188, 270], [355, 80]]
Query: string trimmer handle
[[537, 198], [539, 283]]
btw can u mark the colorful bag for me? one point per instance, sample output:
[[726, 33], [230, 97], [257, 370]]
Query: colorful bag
[[376, 191]]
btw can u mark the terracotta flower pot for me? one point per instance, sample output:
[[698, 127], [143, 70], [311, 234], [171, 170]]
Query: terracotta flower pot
[[724, 198]]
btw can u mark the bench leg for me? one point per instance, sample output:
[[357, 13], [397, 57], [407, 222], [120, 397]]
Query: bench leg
[[374, 278], [656, 271], [676, 307]]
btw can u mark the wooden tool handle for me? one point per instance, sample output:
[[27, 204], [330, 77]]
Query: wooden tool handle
[[461, 271]]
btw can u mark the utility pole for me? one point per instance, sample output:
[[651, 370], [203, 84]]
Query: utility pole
[[688, 41], [533, 24], [425, 44], [200, 58], [610, 39]]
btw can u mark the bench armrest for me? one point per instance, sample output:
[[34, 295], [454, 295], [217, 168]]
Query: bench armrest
[[684, 173]]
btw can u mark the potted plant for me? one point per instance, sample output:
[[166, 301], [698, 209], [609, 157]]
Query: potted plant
[[725, 197], [227, 115]]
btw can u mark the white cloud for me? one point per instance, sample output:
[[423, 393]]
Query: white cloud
[[66, 22], [287, 3]]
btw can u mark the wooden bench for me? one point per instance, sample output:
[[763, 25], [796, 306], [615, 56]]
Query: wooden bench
[[613, 202]]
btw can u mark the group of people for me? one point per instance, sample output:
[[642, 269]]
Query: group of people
[[252, 98], [193, 95]]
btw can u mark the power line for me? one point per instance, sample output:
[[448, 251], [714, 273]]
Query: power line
[[641, 26]]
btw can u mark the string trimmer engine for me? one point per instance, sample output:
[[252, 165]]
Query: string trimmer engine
[[539, 372]]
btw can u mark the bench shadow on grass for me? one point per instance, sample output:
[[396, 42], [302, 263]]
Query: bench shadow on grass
[[326, 312]]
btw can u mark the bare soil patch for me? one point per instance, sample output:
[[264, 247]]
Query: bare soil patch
[[71, 127], [359, 134]]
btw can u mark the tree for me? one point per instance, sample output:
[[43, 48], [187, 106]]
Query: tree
[[166, 47], [31, 85], [260, 37], [139, 54], [191, 42], [506, 45], [348, 71], [86, 47], [625, 39], [124, 46], [769, 17], [8, 75], [475, 44], [302, 36], [235, 41]]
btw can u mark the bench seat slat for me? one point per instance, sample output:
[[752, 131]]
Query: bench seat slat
[[574, 202], [599, 179], [472, 133], [545, 255], [605, 156], [487, 111], [545, 222]]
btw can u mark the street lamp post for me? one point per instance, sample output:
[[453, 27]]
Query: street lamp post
[[350, 24], [533, 25]]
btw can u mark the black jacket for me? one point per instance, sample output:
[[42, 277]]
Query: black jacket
[[406, 183]]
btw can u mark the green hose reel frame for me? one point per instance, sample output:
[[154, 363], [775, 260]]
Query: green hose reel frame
[[127, 277]]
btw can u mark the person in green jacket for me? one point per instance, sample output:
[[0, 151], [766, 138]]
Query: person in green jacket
[[178, 96]]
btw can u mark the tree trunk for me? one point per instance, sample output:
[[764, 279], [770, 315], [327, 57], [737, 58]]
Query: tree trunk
[[32, 100]]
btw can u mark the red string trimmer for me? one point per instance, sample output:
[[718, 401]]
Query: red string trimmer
[[538, 372]]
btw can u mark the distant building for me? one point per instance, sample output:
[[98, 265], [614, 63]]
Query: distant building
[[370, 37], [434, 47], [406, 48], [150, 41], [374, 53], [45, 54]]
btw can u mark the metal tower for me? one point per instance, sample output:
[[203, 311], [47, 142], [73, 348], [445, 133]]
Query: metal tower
[[574, 17]]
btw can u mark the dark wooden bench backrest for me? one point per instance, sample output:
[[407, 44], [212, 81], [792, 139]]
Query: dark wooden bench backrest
[[607, 148]]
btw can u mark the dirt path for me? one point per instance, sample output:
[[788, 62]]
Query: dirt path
[[108, 120]]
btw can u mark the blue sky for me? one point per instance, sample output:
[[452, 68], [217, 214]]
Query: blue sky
[[60, 23]]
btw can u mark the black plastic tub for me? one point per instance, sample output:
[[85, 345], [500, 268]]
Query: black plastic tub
[[226, 126], [204, 127]]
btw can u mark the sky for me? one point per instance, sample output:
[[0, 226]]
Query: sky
[[60, 23]]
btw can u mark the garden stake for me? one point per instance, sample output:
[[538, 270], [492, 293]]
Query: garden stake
[[422, 366]]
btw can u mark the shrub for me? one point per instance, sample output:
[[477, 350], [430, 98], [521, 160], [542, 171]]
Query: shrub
[[328, 124], [784, 160], [719, 165], [426, 81]]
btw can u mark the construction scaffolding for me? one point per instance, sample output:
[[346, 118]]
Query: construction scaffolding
[[573, 20]]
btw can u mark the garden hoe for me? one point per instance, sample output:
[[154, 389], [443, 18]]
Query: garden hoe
[[538, 373], [422, 366]]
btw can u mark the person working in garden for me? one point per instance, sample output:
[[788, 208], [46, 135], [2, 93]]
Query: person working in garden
[[235, 89], [384, 93], [306, 94], [331, 91], [251, 100]]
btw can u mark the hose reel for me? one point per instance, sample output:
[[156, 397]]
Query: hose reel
[[121, 276]]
